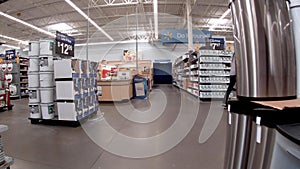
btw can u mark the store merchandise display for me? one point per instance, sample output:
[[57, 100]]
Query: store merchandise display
[[116, 76], [5, 161], [24, 62], [10, 72], [205, 75], [76, 85], [41, 80]]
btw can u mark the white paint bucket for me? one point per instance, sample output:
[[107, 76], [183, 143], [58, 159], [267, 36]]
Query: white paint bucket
[[46, 79], [34, 64], [33, 79], [10, 66], [47, 95], [34, 110], [9, 78], [47, 110], [46, 64], [46, 47], [34, 48], [34, 95]]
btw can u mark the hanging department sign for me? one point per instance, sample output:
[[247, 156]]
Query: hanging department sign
[[181, 36], [64, 44]]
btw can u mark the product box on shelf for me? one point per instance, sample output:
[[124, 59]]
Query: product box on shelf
[[84, 68], [68, 90], [66, 68], [184, 83], [92, 67], [67, 111]]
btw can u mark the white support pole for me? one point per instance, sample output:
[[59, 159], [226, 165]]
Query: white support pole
[[155, 12], [189, 24]]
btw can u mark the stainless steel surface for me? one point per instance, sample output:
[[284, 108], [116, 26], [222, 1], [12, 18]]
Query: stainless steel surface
[[264, 48], [286, 153], [237, 144], [242, 144], [260, 153], [231, 135], [295, 14]]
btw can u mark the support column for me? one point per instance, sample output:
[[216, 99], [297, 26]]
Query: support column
[[189, 24]]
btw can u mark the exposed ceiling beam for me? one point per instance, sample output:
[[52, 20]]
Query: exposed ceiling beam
[[27, 24], [89, 19]]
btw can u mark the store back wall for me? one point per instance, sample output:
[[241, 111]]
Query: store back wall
[[150, 51]]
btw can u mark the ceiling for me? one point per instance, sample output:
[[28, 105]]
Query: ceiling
[[116, 17]]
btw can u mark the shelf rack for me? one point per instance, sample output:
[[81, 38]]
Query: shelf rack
[[24, 77], [205, 75], [8, 161]]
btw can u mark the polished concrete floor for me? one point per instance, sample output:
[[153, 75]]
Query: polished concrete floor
[[169, 130]]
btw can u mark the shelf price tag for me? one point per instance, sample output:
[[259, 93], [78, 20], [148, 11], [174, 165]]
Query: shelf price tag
[[64, 45]]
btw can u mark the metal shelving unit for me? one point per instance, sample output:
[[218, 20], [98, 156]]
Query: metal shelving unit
[[214, 73], [5, 161], [10, 70], [206, 75], [24, 77]]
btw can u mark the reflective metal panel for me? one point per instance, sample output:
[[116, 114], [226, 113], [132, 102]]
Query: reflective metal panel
[[264, 49]]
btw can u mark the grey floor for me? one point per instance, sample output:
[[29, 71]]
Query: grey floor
[[87, 147]]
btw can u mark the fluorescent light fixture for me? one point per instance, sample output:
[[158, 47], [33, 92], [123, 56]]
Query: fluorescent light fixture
[[25, 49], [225, 14], [62, 27], [88, 18], [108, 43], [10, 46], [27, 24], [220, 20], [14, 39]]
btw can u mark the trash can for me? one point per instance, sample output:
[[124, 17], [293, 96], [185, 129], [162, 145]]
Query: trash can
[[140, 87]]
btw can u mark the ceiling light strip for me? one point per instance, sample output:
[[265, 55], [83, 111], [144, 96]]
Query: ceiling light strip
[[10, 46], [88, 18], [14, 39], [109, 43], [222, 17], [27, 24]]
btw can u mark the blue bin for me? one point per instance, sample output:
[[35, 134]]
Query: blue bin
[[140, 87]]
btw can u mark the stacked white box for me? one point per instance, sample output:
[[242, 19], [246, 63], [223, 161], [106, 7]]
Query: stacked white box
[[74, 89]]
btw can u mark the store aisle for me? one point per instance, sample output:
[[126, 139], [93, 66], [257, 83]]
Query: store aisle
[[170, 130]]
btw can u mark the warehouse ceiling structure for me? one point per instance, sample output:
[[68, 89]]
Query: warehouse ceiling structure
[[108, 20]]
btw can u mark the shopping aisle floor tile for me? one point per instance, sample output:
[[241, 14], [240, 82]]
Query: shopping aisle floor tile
[[43, 146]]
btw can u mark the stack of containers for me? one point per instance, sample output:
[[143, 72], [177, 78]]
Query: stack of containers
[[41, 80], [34, 80], [46, 79]]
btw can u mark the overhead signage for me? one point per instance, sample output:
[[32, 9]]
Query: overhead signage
[[181, 36], [10, 54], [217, 43], [64, 44]]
